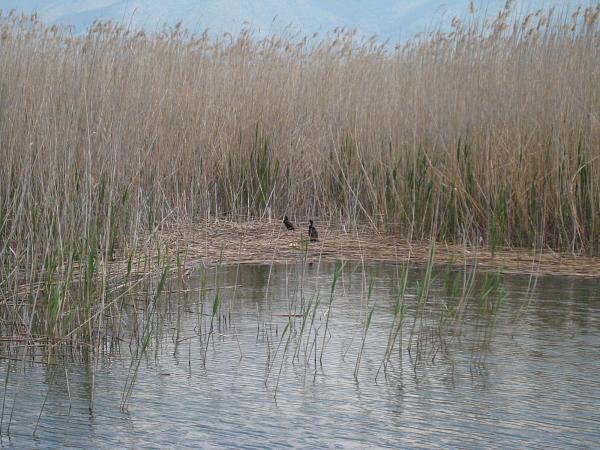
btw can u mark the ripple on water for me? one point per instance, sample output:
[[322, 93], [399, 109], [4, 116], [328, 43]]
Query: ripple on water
[[534, 385]]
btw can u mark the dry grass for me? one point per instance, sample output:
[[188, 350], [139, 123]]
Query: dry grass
[[228, 242], [490, 131], [269, 242], [488, 134]]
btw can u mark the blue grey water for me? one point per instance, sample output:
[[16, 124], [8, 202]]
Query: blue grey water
[[527, 376]]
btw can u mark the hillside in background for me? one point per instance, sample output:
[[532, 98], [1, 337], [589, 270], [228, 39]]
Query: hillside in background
[[390, 19]]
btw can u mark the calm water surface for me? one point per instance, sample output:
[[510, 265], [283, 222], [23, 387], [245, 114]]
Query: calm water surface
[[527, 376]]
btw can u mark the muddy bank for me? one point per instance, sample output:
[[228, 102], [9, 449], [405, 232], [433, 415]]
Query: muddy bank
[[270, 242]]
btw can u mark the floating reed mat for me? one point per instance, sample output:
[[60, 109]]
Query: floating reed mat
[[269, 242]]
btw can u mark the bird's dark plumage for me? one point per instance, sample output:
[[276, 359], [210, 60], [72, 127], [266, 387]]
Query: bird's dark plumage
[[287, 223], [312, 232]]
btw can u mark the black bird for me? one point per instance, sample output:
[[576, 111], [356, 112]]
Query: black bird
[[287, 223], [312, 232]]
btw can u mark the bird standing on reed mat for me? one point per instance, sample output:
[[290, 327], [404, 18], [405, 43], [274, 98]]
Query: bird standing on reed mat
[[312, 232], [288, 224]]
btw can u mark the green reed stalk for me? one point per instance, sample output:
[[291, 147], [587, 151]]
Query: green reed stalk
[[366, 327], [339, 267]]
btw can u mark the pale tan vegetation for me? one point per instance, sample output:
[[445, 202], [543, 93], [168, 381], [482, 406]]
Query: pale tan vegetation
[[486, 133], [260, 242]]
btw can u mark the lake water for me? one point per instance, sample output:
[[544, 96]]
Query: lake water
[[524, 375]]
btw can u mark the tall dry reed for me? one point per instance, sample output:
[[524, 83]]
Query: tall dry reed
[[489, 131]]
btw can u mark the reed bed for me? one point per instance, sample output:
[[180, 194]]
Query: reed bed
[[487, 134], [105, 315], [268, 242]]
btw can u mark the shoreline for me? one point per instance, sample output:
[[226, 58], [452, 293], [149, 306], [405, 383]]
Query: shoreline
[[267, 242]]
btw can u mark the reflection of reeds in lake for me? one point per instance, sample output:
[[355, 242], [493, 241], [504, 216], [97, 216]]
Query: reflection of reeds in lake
[[86, 311], [424, 321], [115, 141], [438, 318]]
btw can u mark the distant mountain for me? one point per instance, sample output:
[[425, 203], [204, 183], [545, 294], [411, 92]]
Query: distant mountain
[[393, 19]]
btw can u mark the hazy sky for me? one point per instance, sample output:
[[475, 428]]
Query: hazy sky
[[395, 19]]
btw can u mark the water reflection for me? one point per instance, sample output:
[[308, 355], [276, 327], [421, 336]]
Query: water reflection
[[522, 375]]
